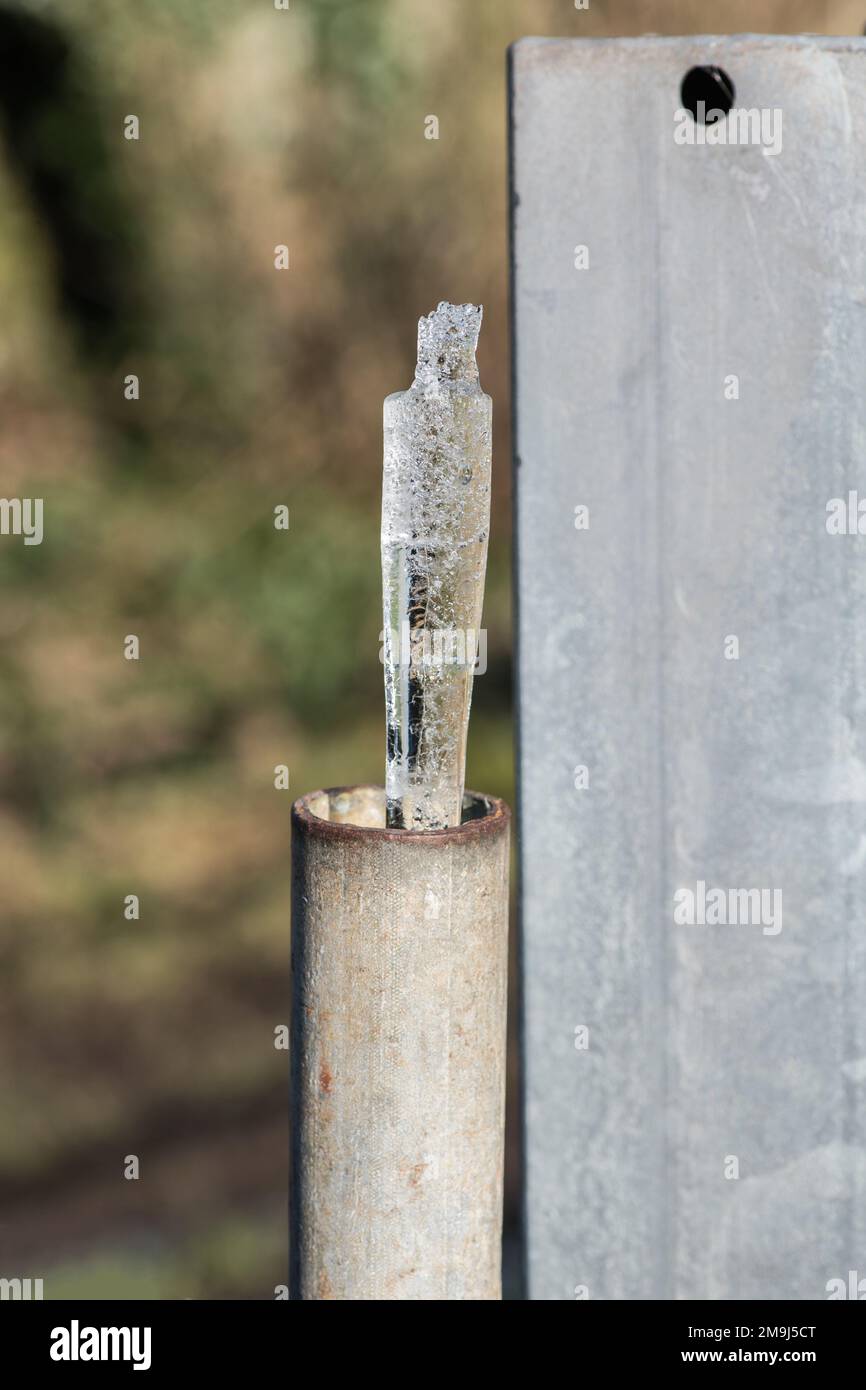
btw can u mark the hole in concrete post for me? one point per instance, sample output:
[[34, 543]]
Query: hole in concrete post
[[708, 93]]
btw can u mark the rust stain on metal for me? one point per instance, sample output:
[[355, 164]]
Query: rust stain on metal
[[416, 1173], [326, 1080]]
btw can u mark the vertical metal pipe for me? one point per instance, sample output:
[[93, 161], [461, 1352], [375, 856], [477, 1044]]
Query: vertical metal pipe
[[399, 958]]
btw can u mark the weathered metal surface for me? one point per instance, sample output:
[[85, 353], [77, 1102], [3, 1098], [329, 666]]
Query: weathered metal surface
[[399, 958], [707, 521]]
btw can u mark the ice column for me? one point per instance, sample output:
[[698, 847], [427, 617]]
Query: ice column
[[435, 522]]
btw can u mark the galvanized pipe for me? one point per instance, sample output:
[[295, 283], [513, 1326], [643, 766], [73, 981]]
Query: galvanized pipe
[[399, 960]]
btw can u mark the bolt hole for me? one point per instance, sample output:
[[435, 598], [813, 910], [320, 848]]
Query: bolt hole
[[707, 92]]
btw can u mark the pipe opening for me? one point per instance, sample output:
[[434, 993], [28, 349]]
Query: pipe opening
[[365, 807]]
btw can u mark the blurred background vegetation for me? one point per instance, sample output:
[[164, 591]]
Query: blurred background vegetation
[[258, 387]]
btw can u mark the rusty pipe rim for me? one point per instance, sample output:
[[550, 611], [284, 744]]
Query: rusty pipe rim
[[489, 817]]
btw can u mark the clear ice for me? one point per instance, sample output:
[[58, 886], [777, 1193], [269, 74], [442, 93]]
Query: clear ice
[[435, 523]]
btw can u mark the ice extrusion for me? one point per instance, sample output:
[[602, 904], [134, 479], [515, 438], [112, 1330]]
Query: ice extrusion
[[435, 523]]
